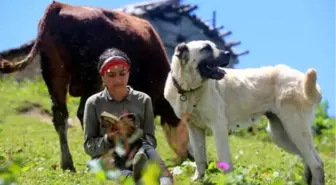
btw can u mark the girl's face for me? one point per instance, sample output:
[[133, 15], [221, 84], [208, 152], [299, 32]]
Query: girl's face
[[116, 77]]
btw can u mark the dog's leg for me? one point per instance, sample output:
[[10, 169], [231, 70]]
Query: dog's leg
[[279, 136], [221, 136], [197, 141], [297, 126]]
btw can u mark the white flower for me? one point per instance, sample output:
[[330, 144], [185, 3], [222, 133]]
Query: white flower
[[276, 174], [115, 174], [188, 163], [176, 171], [94, 165], [240, 178]]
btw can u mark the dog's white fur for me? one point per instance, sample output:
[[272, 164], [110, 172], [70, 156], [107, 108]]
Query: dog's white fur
[[244, 94]]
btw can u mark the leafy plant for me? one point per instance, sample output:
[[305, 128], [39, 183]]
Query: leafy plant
[[9, 169], [322, 121]]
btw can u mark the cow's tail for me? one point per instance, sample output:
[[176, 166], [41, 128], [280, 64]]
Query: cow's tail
[[312, 90], [9, 67]]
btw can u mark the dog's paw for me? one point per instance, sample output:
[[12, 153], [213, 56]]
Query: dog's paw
[[196, 176]]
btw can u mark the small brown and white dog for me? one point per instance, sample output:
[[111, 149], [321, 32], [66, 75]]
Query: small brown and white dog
[[126, 140], [223, 99]]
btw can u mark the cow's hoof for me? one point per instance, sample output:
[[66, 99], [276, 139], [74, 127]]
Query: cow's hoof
[[70, 168]]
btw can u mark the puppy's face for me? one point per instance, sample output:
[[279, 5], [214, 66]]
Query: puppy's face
[[123, 128], [201, 59]]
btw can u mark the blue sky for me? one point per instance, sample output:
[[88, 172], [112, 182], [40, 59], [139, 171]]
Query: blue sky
[[298, 33]]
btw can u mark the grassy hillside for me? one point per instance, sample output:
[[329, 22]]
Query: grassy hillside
[[30, 153]]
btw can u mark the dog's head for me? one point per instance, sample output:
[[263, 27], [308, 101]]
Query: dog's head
[[125, 127], [200, 59]]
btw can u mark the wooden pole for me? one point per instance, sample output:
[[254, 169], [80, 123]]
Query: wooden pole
[[214, 19]]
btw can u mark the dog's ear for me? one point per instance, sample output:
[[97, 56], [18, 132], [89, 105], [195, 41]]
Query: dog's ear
[[182, 51], [131, 117], [107, 123], [128, 117]]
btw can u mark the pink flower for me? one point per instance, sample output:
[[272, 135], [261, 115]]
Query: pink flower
[[222, 165]]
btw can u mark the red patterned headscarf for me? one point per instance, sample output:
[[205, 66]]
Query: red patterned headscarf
[[111, 62]]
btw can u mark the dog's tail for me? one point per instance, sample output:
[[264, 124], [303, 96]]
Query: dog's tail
[[311, 89]]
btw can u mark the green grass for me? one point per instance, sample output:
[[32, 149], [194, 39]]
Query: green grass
[[35, 144]]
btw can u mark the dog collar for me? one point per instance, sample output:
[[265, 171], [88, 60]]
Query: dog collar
[[180, 90]]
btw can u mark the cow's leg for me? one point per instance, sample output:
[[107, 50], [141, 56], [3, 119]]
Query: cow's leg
[[175, 131], [177, 139], [80, 110], [60, 120], [56, 80]]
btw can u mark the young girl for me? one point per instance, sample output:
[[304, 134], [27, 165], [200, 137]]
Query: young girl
[[118, 98]]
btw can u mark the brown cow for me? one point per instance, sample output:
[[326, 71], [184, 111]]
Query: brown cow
[[70, 39]]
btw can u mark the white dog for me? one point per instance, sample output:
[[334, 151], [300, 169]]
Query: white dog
[[223, 99]]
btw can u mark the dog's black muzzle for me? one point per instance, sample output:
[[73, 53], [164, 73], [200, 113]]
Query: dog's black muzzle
[[209, 67]]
